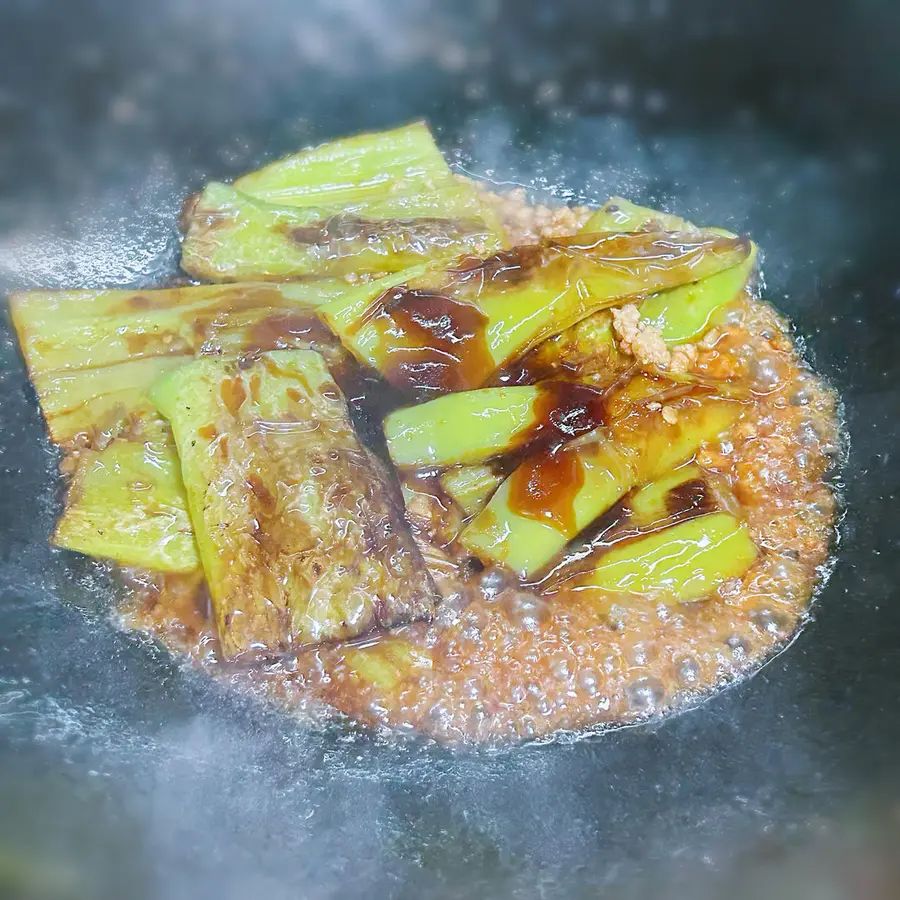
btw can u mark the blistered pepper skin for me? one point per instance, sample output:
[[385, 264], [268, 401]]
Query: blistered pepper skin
[[294, 519], [369, 204], [93, 354], [127, 503]]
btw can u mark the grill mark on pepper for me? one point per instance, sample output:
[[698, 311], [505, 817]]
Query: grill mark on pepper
[[690, 500], [340, 235]]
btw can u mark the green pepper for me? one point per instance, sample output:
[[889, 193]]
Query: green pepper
[[525, 529], [682, 313], [652, 504], [619, 214], [386, 663], [93, 354], [586, 350], [551, 497], [89, 329], [373, 203], [126, 503], [397, 170], [679, 564], [464, 428], [437, 330], [83, 403], [295, 522]]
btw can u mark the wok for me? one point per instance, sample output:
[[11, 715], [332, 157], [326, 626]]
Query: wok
[[123, 775]]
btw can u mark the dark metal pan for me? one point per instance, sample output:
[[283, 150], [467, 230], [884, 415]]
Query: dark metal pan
[[122, 775]]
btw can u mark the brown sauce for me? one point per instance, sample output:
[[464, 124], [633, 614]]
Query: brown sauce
[[369, 399], [546, 476], [233, 394], [286, 330], [565, 410], [438, 344], [690, 499], [506, 267], [544, 487], [256, 318], [266, 501]]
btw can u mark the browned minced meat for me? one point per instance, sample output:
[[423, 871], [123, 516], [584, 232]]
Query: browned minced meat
[[502, 662], [527, 223], [644, 342]]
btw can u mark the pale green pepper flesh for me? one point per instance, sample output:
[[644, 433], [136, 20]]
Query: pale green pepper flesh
[[470, 487], [659, 446], [619, 214], [127, 503], [82, 403], [682, 313], [461, 429], [392, 172], [249, 239], [651, 504], [92, 355], [685, 313], [385, 664], [90, 329]]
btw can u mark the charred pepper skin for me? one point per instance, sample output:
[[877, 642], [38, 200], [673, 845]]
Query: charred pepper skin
[[294, 519]]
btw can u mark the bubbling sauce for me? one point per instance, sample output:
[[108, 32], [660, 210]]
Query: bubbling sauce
[[503, 659]]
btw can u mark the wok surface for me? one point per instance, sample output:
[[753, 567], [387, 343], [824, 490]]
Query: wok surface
[[123, 775]]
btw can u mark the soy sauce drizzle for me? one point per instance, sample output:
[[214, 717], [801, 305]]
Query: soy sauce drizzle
[[544, 488], [437, 344], [564, 410], [545, 484]]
